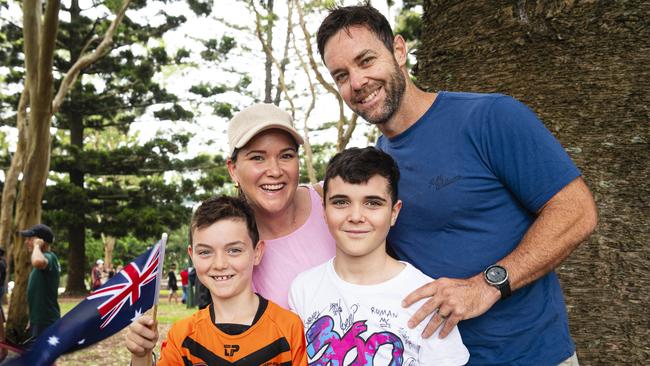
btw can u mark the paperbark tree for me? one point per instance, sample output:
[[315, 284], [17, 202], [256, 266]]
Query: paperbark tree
[[39, 36]]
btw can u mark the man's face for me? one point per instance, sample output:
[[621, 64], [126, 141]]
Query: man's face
[[366, 73], [360, 215], [29, 242]]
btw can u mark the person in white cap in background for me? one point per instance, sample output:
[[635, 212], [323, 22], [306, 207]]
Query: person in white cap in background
[[264, 164], [96, 274], [43, 283]]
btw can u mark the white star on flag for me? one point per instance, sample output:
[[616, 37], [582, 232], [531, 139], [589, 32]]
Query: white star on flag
[[138, 314], [53, 340]]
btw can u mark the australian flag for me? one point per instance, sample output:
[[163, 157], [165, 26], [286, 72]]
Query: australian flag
[[106, 311]]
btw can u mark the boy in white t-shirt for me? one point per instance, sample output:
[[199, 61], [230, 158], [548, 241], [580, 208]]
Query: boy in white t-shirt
[[351, 305]]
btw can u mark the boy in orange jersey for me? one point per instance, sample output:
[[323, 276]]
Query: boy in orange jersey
[[239, 327]]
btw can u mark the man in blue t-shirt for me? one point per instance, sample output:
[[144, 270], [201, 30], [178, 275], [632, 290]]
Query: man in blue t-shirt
[[492, 203]]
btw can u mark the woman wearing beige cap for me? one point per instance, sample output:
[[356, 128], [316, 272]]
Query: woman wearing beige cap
[[263, 163]]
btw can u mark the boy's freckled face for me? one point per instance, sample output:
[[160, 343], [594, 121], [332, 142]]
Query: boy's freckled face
[[224, 257], [360, 215]]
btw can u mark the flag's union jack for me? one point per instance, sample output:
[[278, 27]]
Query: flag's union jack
[[109, 309], [130, 290]]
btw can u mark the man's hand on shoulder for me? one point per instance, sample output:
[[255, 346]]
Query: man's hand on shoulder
[[450, 301]]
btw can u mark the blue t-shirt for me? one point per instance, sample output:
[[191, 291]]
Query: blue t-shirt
[[475, 169]]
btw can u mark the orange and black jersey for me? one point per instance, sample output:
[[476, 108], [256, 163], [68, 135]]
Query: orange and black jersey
[[276, 338]]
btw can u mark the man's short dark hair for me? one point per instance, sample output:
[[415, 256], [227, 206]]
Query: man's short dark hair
[[221, 208], [349, 16], [356, 166]]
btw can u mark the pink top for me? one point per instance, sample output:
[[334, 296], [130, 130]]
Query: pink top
[[285, 257]]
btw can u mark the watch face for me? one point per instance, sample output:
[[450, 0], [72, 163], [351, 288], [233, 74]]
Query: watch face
[[496, 274]]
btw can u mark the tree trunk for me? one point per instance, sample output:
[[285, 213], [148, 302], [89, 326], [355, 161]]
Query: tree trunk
[[39, 36], [11, 181], [77, 227], [39, 49], [109, 245], [583, 68], [268, 64]]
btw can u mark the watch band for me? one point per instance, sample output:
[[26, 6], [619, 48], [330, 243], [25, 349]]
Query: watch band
[[505, 289]]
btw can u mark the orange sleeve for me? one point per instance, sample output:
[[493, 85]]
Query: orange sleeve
[[298, 344], [170, 354]]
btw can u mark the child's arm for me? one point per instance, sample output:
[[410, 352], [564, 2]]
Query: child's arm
[[141, 339]]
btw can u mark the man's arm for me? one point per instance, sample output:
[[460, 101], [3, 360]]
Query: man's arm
[[38, 258], [565, 221]]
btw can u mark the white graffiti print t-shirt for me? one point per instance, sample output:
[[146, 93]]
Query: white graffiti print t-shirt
[[348, 324]]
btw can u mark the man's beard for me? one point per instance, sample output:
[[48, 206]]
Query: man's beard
[[394, 90]]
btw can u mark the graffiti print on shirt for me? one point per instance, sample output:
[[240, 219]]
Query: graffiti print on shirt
[[322, 335]]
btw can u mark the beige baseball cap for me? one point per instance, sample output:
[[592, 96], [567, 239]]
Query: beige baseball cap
[[257, 118]]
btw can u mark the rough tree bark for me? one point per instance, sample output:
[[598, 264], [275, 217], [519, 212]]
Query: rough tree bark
[[109, 245], [583, 67]]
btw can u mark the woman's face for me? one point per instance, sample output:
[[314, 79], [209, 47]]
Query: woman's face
[[266, 170]]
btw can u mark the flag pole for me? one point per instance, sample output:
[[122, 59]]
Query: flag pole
[[154, 310]]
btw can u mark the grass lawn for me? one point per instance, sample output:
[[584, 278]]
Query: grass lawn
[[112, 351]]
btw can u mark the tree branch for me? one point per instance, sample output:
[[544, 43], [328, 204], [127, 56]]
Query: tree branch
[[31, 31], [310, 53], [342, 136], [89, 58], [269, 53], [309, 156], [47, 45]]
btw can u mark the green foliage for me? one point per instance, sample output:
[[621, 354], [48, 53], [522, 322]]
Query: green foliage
[[200, 7], [206, 90], [126, 249], [244, 82], [114, 5], [181, 54], [214, 179], [95, 251], [102, 180], [217, 50], [409, 25], [222, 109], [176, 250], [227, 44], [321, 155], [175, 113]]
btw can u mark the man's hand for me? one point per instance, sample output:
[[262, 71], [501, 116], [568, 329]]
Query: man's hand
[[142, 337], [450, 301]]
